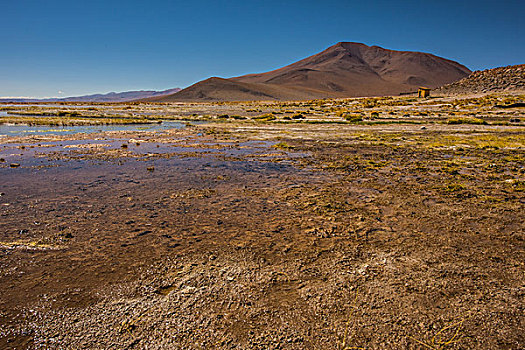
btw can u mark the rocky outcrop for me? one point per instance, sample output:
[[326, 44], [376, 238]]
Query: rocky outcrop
[[503, 79]]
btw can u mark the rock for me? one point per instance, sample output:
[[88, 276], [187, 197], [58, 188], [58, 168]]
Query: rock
[[188, 290], [143, 233], [14, 165], [491, 80]]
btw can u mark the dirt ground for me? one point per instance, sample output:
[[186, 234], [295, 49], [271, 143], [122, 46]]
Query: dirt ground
[[245, 235]]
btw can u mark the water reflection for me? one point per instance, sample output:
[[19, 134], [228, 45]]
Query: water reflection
[[24, 130]]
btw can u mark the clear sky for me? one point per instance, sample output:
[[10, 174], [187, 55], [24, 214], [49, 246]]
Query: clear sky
[[68, 47]]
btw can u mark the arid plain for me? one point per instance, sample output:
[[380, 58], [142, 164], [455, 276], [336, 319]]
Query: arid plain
[[362, 223]]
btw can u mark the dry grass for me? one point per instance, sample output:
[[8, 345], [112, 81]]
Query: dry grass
[[28, 245], [442, 341]]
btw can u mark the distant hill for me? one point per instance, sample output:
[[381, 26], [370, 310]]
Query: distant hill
[[109, 97], [343, 70], [219, 89], [510, 78]]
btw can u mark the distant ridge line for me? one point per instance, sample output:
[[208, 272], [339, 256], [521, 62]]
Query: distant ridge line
[[126, 96]]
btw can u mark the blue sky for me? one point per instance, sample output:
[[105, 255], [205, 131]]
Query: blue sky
[[77, 47]]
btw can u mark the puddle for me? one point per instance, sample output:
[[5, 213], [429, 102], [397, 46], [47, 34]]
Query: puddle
[[59, 153]]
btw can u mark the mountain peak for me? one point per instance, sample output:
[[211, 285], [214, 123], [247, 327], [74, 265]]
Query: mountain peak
[[346, 69], [347, 46]]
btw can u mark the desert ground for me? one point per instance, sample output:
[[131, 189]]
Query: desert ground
[[363, 223]]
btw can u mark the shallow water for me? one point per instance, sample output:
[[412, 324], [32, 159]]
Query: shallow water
[[25, 130], [45, 105]]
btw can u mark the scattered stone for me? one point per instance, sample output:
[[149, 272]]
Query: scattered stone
[[510, 78], [143, 233]]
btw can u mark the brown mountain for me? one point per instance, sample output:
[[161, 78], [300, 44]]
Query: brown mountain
[[343, 70]]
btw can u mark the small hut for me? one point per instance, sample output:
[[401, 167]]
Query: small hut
[[423, 92]]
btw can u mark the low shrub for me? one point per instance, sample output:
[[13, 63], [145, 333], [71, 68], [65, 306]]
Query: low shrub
[[265, 117], [353, 118], [476, 121]]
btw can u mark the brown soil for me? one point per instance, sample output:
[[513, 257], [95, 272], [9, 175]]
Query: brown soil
[[265, 236]]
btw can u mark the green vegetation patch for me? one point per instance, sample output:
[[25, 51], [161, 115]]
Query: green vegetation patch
[[466, 120], [283, 145], [265, 117]]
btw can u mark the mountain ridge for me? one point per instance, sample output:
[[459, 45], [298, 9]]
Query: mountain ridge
[[125, 96], [346, 69]]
